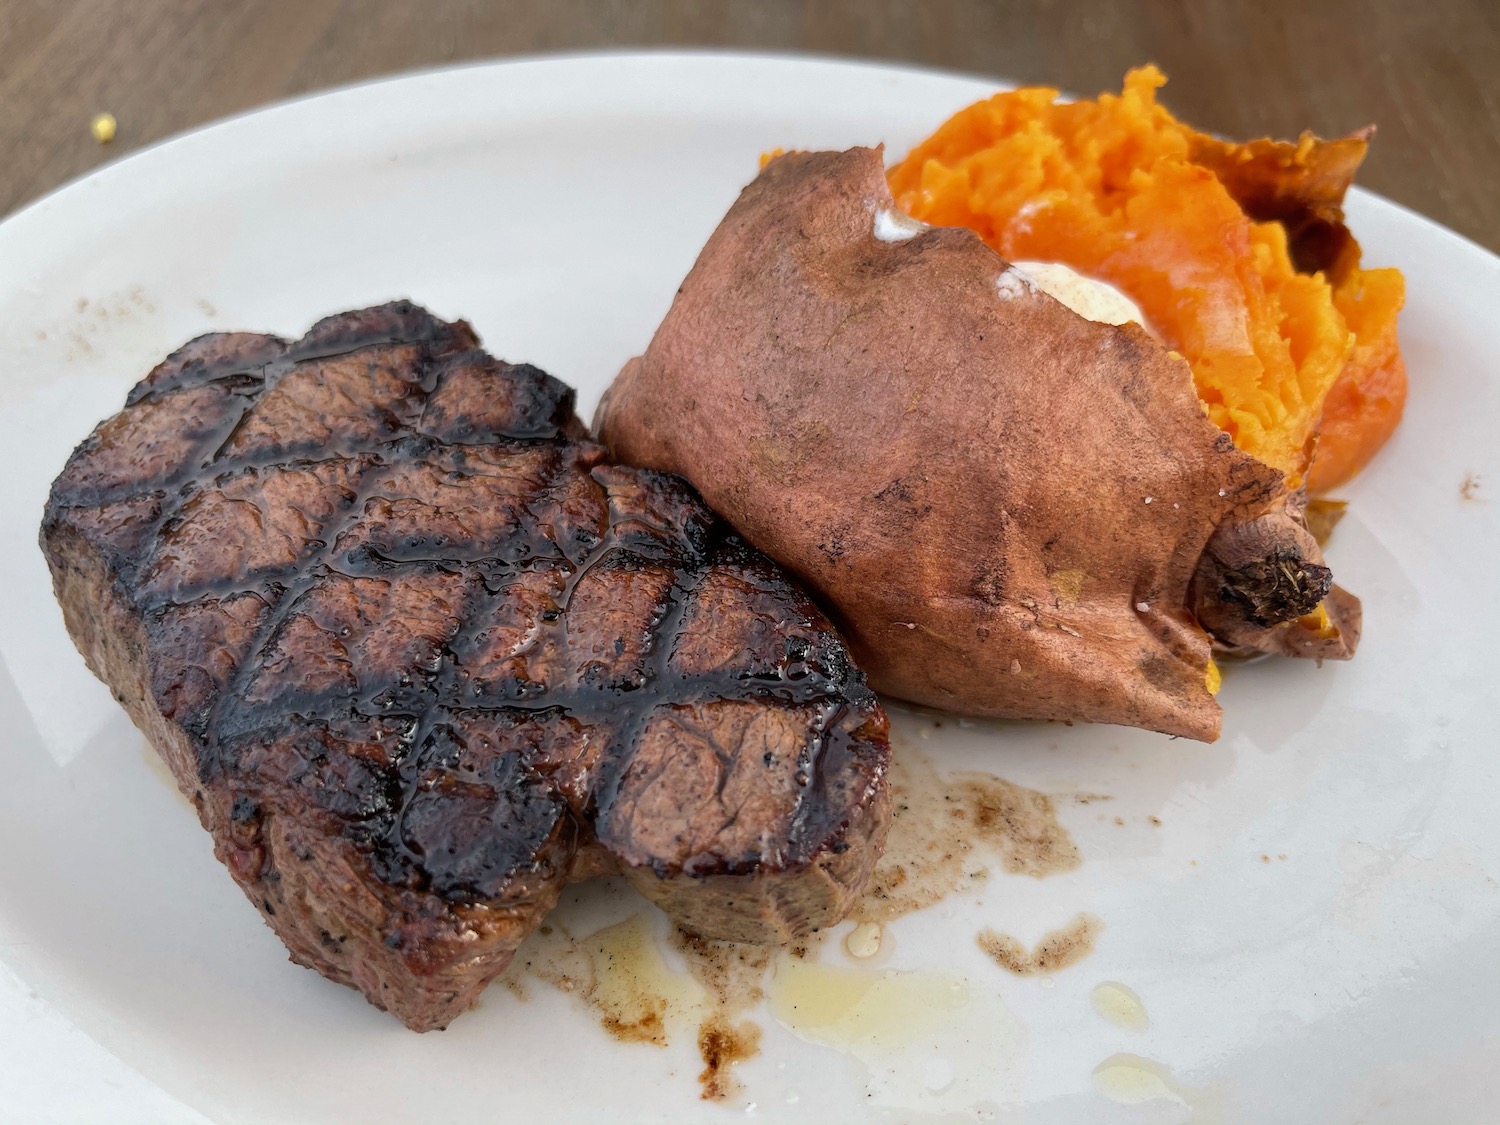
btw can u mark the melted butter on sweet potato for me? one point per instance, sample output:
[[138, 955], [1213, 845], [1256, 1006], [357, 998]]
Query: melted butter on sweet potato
[[1087, 296]]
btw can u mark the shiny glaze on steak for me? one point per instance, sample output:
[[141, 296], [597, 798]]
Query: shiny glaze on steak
[[421, 655]]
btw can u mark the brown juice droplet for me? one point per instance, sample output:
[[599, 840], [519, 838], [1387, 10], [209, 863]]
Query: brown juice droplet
[[733, 979], [944, 826], [620, 974], [1057, 950], [722, 1045]]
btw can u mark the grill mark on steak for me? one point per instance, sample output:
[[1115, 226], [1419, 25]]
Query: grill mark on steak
[[421, 655]]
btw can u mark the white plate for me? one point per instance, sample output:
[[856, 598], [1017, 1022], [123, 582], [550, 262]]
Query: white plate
[[556, 204]]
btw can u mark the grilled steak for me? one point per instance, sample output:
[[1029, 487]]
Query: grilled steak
[[421, 655]]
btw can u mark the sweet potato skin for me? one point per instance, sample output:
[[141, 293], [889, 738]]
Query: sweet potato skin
[[1001, 503], [1300, 185]]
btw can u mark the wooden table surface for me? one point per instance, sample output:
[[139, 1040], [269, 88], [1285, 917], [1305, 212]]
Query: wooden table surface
[[1427, 72]]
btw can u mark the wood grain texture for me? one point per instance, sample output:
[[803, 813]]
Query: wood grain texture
[[1425, 71]]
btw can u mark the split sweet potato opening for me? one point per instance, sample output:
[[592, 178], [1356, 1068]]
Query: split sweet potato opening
[[1236, 253]]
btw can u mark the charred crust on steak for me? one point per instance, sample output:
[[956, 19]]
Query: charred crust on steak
[[424, 655]]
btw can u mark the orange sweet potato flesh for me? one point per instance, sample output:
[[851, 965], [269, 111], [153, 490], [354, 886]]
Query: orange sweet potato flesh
[[1009, 510], [1364, 406], [1236, 253]]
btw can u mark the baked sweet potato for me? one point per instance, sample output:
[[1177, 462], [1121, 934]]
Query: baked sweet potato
[[1010, 510]]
